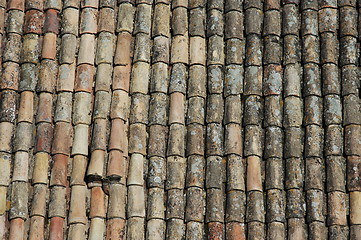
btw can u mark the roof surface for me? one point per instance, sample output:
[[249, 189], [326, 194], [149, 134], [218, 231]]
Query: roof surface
[[219, 119]]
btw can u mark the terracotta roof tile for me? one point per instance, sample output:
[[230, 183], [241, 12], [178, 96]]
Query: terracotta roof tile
[[181, 111], [106, 20]]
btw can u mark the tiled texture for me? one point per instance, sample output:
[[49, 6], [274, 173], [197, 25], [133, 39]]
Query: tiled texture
[[182, 119]]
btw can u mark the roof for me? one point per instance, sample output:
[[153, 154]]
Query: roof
[[142, 119]]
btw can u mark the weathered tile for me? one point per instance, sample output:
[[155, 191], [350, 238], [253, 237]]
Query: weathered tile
[[352, 145], [137, 138], [52, 21], [234, 24], [196, 113], [88, 21], [82, 108], [140, 107], [252, 139], [328, 19], [275, 173], [176, 143], [126, 14], [55, 4], [253, 51], [253, 109], [233, 110], [272, 23], [103, 78], [253, 80], [86, 49], [15, 20], [330, 49], [6, 134], [34, 20], [253, 21], [336, 167], [197, 50], [8, 106], [15, 4], [62, 138], [197, 82], [348, 50], [105, 48], [70, 21], [235, 51], [215, 53], [31, 48], [84, 78], [291, 49], [179, 49], [48, 70], [143, 19], [140, 78], [197, 22], [11, 76], [351, 110], [158, 113]]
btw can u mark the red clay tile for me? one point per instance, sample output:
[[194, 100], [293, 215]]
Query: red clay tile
[[17, 229], [123, 49], [11, 76], [39, 201], [115, 229], [115, 168], [33, 22], [44, 136], [78, 170], [45, 105], [62, 138], [56, 231], [16, 4], [236, 231], [84, 78], [117, 134], [77, 211], [36, 228], [59, 170], [49, 46], [52, 23], [121, 78], [215, 230], [97, 204]]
